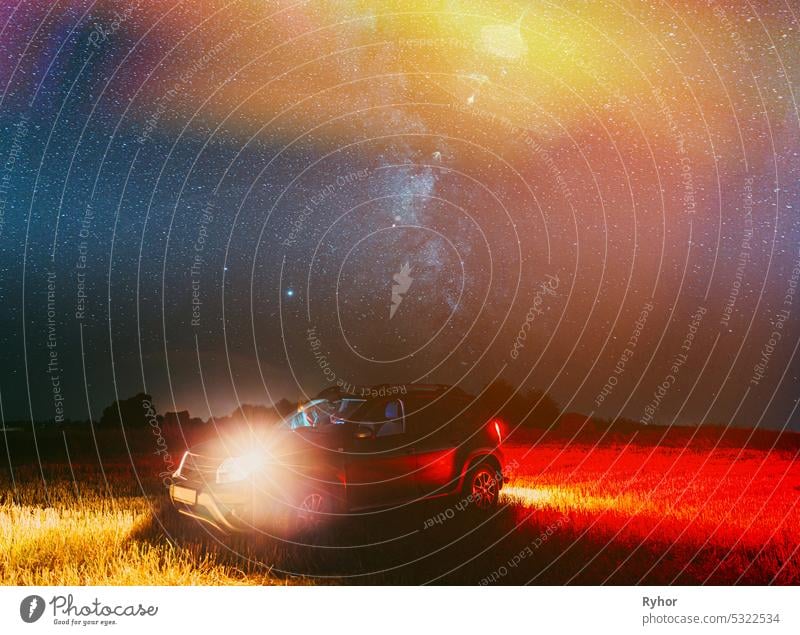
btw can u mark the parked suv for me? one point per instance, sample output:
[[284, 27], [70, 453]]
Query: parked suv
[[392, 446]]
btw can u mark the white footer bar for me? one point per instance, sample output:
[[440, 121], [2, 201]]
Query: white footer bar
[[401, 610]]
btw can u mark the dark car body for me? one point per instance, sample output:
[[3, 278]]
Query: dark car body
[[402, 444]]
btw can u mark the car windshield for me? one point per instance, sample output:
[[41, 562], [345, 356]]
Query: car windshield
[[314, 414], [320, 414]]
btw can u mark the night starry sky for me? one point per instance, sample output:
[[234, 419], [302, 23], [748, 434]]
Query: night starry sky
[[213, 202]]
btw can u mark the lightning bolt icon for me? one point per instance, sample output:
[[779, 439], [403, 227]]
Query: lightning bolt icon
[[401, 286], [34, 604]]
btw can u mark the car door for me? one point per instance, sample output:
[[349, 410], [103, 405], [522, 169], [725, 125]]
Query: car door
[[380, 466], [432, 425]]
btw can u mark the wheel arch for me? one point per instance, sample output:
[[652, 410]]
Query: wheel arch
[[477, 458]]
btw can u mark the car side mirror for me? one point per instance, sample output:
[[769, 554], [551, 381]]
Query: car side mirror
[[363, 433]]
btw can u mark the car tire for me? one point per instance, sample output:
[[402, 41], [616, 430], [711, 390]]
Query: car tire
[[482, 487], [312, 512]]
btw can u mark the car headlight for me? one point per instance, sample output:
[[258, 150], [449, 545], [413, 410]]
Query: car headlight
[[239, 468]]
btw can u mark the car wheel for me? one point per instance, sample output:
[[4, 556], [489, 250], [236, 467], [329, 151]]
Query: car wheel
[[312, 511], [483, 486]]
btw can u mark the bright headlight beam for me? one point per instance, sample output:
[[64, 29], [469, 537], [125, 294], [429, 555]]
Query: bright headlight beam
[[239, 468]]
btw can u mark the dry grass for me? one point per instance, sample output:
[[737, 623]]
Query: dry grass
[[741, 506], [721, 496], [99, 540], [624, 514]]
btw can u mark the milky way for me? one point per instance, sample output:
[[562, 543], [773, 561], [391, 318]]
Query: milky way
[[595, 199]]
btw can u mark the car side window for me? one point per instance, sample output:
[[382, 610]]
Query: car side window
[[394, 419]]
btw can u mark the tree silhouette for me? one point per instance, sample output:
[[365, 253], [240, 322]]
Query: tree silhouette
[[532, 408], [136, 412]]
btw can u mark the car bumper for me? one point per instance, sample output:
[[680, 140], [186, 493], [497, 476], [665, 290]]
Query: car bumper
[[226, 508]]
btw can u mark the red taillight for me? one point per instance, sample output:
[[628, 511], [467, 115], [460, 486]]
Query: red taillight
[[498, 431]]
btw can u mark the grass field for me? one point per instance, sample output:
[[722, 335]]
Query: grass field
[[581, 514], [98, 537], [719, 516]]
